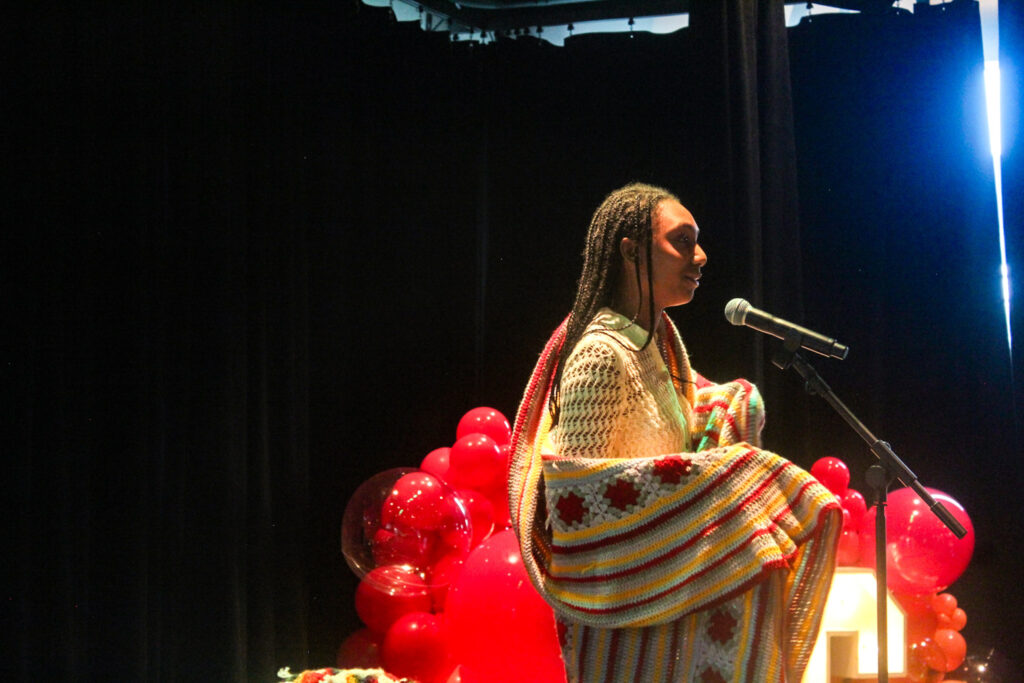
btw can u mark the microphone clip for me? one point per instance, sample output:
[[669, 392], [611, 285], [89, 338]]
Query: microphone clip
[[791, 344]]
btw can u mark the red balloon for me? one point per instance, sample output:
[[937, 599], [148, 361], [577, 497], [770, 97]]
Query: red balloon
[[867, 544], [944, 603], [487, 421], [417, 501], [361, 650], [415, 647], [498, 495], [914, 605], [499, 503], [463, 674], [455, 531], [476, 462], [506, 456], [436, 462], [442, 574], [848, 553], [921, 655], [953, 646], [919, 629], [502, 515], [934, 657], [853, 502], [922, 555], [481, 512], [499, 627], [920, 618], [388, 592], [833, 474]]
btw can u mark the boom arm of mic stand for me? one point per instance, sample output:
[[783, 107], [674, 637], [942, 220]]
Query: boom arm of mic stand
[[879, 476]]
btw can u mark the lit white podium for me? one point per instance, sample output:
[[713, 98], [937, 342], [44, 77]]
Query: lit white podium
[[847, 646]]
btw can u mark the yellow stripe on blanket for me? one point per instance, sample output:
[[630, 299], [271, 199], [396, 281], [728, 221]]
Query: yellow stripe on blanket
[[763, 555]]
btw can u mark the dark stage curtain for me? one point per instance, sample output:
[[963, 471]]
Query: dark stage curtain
[[750, 179], [259, 253], [160, 490]]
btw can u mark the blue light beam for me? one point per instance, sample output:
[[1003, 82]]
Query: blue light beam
[[990, 43]]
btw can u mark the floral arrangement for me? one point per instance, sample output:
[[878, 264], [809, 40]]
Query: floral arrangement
[[337, 676]]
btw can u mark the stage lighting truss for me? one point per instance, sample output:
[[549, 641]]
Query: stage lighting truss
[[484, 21]]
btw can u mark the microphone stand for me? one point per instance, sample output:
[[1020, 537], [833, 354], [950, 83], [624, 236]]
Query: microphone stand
[[879, 476]]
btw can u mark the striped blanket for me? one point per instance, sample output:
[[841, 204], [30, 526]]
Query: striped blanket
[[631, 551]]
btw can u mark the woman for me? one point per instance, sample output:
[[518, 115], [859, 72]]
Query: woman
[[669, 545]]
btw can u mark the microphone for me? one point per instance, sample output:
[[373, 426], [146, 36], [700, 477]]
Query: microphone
[[740, 312]]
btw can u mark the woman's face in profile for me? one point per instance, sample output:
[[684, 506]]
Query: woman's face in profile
[[676, 257]]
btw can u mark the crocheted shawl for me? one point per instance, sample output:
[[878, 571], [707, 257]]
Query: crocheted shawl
[[632, 542]]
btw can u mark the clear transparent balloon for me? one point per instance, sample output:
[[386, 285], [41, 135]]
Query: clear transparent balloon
[[407, 518]]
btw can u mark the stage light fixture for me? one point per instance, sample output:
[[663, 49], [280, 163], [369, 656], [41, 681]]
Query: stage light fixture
[[484, 21]]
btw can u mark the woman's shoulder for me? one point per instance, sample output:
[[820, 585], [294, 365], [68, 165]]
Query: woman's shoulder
[[598, 343]]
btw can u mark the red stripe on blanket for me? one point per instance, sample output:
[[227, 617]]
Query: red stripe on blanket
[[781, 563], [613, 656], [653, 562], [581, 659], [673, 653], [795, 502], [644, 637]]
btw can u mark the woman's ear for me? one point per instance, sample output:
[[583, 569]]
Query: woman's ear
[[628, 249]]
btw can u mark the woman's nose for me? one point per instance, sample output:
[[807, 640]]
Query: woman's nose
[[699, 256]]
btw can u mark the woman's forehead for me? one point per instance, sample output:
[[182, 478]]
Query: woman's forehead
[[671, 214]]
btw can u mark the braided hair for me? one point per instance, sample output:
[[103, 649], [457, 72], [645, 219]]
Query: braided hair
[[626, 212]]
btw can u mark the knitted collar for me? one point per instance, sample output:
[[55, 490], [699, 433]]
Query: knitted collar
[[613, 321]]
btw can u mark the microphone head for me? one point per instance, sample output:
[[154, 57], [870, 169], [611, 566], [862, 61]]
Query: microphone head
[[736, 311]]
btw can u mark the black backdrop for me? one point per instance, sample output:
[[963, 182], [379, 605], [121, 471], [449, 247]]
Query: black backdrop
[[258, 254]]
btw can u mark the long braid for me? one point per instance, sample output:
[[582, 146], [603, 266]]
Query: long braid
[[626, 212]]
